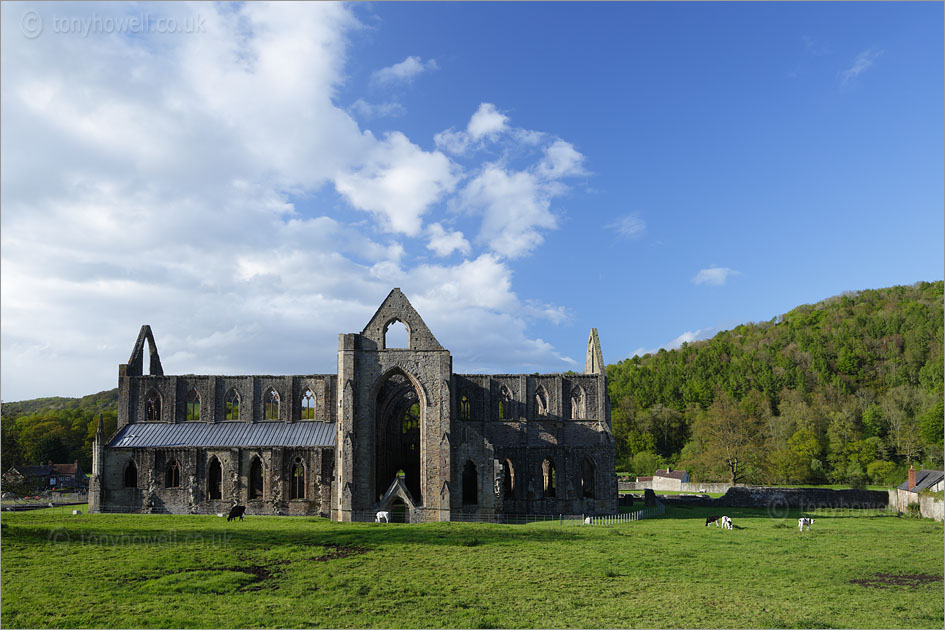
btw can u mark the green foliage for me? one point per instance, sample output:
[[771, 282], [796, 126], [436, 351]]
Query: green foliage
[[60, 430], [837, 385]]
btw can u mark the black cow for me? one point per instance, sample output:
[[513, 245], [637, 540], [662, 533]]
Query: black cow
[[712, 519], [237, 511]]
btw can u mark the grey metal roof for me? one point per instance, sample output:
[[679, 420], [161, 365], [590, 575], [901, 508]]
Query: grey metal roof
[[924, 479], [224, 434]]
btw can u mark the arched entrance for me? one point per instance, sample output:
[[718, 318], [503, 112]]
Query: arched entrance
[[398, 435]]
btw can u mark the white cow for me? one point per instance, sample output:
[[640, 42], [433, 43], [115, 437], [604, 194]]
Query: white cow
[[727, 523], [382, 515], [804, 521], [587, 520]]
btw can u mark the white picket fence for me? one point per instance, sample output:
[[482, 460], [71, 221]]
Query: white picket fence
[[615, 519]]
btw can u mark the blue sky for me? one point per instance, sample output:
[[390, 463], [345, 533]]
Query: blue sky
[[251, 180]]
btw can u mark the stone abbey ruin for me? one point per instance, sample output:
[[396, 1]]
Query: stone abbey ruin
[[395, 429]]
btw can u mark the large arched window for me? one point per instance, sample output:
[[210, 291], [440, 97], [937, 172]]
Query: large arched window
[[549, 479], [193, 404], [464, 407], [541, 401], [131, 475], [308, 405], [256, 479], [152, 407], [231, 405], [505, 403], [587, 479], [470, 484], [297, 487], [577, 403], [172, 475], [396, 335], [508, 479], [271, 405], [215, 479]]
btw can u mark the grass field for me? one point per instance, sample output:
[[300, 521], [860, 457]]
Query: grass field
[[60, 570]]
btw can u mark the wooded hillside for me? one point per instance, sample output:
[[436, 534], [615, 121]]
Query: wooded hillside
[[847, 390]]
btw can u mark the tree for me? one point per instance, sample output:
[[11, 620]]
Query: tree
[[731, 435]]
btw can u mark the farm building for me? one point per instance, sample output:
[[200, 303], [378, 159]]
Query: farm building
[[49, 476], [394, 429]]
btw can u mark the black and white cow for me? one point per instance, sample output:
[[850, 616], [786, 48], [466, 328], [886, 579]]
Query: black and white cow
[[804, 522]]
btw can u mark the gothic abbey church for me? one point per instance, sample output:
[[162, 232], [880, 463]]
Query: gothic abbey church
[[395, 429]]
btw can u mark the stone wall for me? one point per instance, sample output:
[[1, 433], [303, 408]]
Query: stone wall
[[778, 501], [929, 506]]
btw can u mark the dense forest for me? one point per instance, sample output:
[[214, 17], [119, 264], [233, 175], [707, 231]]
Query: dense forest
[[60, 430], [848, 390]]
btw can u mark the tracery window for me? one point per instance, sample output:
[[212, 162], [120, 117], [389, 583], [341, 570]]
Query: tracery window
[[271, 405], [152, 407], [256, 479], [193, 404], [464, 407], [308, 405], [297, 486], [172, 475], [505, 403], [549, 479], [231, 405], [541, 401], [577, 403]]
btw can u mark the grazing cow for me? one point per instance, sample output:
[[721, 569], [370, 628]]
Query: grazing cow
[[727, 523], [236, 512], [382, 515], [804, 521], [712, 519]]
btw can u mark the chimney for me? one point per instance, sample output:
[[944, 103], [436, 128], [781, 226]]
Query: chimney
[[911, 477]]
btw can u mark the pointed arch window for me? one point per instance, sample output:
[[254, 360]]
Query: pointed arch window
[[297, 486], [215, 479], [256, 479], [549, 479], [541, 401], [505, 403], [465, 411], [587, 478], [508, 479], [172, 475], [131, 475], [308, 405], [470, 484], [271, 405], [152, 407], [193, 404], [578, 409], [231, 405]]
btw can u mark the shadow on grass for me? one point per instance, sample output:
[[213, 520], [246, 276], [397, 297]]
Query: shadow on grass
[[266, 532]]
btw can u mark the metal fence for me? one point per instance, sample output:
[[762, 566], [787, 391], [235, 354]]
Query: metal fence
[[615, 519]]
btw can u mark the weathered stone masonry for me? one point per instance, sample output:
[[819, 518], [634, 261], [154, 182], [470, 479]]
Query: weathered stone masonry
[[394, 429]]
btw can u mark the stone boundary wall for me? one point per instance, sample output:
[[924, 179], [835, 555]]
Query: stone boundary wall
[[929, 507], [778, 501]]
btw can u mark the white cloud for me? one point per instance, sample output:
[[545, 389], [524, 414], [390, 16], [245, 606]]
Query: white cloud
[[486, 122], [687, 337], [397, 182], [189, 182], [861, 64], [444, 243], [715, 276], [629, 226], [377, 110], [403, 72]]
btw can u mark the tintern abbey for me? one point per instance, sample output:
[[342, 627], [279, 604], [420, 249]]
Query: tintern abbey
[[395, 429]]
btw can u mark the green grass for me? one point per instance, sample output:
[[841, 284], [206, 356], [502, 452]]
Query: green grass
[[122, 571]]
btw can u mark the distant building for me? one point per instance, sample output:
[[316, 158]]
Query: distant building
[[670, 479], [921, 480], [49, 476]]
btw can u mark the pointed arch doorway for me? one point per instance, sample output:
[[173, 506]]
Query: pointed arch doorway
[[398, 409]]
